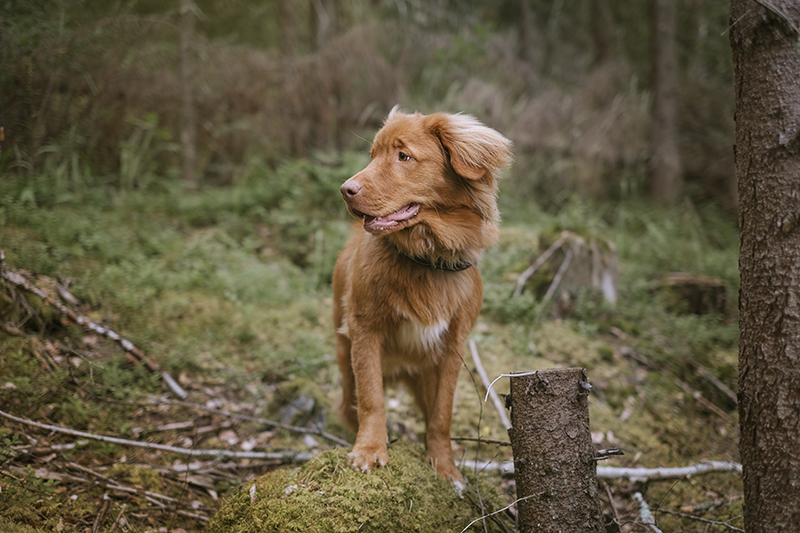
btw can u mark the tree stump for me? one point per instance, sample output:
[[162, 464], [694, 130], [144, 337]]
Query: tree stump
[[699, 295], [570, 265], [554, 461]]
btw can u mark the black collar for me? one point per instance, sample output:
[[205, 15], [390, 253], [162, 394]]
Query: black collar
[[439, 264]]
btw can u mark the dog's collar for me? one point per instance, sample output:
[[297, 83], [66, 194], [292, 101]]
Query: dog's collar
[[439, 264]]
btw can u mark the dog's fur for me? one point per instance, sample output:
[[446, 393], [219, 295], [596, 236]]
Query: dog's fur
[[406, 288]]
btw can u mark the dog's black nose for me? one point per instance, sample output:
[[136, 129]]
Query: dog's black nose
[[350, 188]]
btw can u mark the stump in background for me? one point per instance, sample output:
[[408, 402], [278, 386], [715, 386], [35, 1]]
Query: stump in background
[[554, 461], [699, 295], [570, 265]]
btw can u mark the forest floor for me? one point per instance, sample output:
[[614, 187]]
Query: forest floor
[[226, 293]]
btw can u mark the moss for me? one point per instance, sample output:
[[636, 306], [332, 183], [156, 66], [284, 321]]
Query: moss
[[7, 526], [326, 495]]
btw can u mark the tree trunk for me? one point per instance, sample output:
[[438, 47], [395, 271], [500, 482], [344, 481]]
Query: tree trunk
[[601, 31], [188, 128], [665, 171], [285, 28], [766, 73], [323, 21], [554, 463]]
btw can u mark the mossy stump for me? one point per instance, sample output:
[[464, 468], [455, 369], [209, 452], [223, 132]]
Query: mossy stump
[[326, 495]]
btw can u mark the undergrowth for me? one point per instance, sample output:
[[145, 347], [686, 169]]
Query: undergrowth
[[231, 286]]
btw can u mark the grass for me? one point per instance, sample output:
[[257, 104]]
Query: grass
[[230, 287]]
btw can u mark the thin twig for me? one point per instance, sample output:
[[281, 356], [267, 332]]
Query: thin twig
[[154, 400], [476, 358], [512, 504], [700, 519], [613, 505], [780, 14], [481, 439], [289, 457]]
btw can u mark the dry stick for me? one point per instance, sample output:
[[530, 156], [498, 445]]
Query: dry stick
[[645, 514], [119, 517], [152, 400], [551, 290], [20, 281], [289, 457], [698, 396], [480, 439], [634, 474], [724, 389], [523, 278], [613, 505], [485, 378], [102, 514]]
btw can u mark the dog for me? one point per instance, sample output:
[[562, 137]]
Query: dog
[[407, 290]]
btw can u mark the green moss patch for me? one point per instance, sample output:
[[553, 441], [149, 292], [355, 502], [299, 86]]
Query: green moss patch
[[326, 495]]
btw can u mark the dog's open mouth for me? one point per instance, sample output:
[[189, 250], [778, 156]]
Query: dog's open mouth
[[389, 222]]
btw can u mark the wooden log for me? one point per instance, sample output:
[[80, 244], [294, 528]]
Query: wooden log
[[554, 461]]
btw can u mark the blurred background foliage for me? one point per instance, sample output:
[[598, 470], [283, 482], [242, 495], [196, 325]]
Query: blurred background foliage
[[90, 92]]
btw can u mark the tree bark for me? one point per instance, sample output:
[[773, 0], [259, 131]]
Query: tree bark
[[554, 465], [764, 37], [188, 128], [665, 171]]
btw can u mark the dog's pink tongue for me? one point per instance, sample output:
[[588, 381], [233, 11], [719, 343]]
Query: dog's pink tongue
[[390, 221]]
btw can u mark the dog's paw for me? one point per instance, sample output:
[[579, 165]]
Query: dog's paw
[[448, 470], [365, 458]]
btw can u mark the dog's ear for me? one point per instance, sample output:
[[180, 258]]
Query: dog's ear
[[474, 149]]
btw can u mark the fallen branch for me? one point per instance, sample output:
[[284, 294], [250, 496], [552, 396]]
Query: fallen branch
[[153, 400], [531, 270], [286, 457], [645, 514], [724, 389], [633, 474], [485, 378], [551, 290], [19, 281], [698, 396]]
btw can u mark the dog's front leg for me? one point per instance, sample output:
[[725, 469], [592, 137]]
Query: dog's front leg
[[438, 389], [370, 447]]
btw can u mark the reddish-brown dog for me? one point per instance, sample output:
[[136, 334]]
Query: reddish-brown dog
[[406, 288]]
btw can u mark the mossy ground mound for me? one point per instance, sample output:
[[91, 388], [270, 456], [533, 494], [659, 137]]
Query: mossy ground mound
[[326, 495]]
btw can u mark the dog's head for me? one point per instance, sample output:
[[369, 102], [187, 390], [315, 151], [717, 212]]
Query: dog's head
[[434, 175]]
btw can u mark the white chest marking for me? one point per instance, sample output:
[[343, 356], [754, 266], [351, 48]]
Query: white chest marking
[[415, 337]]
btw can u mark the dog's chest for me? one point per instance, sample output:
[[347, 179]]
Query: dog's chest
[[412, 337]]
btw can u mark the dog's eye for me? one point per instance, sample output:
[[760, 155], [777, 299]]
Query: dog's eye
[[402, 156]]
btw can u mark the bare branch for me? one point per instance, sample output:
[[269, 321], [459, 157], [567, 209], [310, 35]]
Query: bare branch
[[19, 280], [476, 358], [634, 474], [645, 514], [288, 457]]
